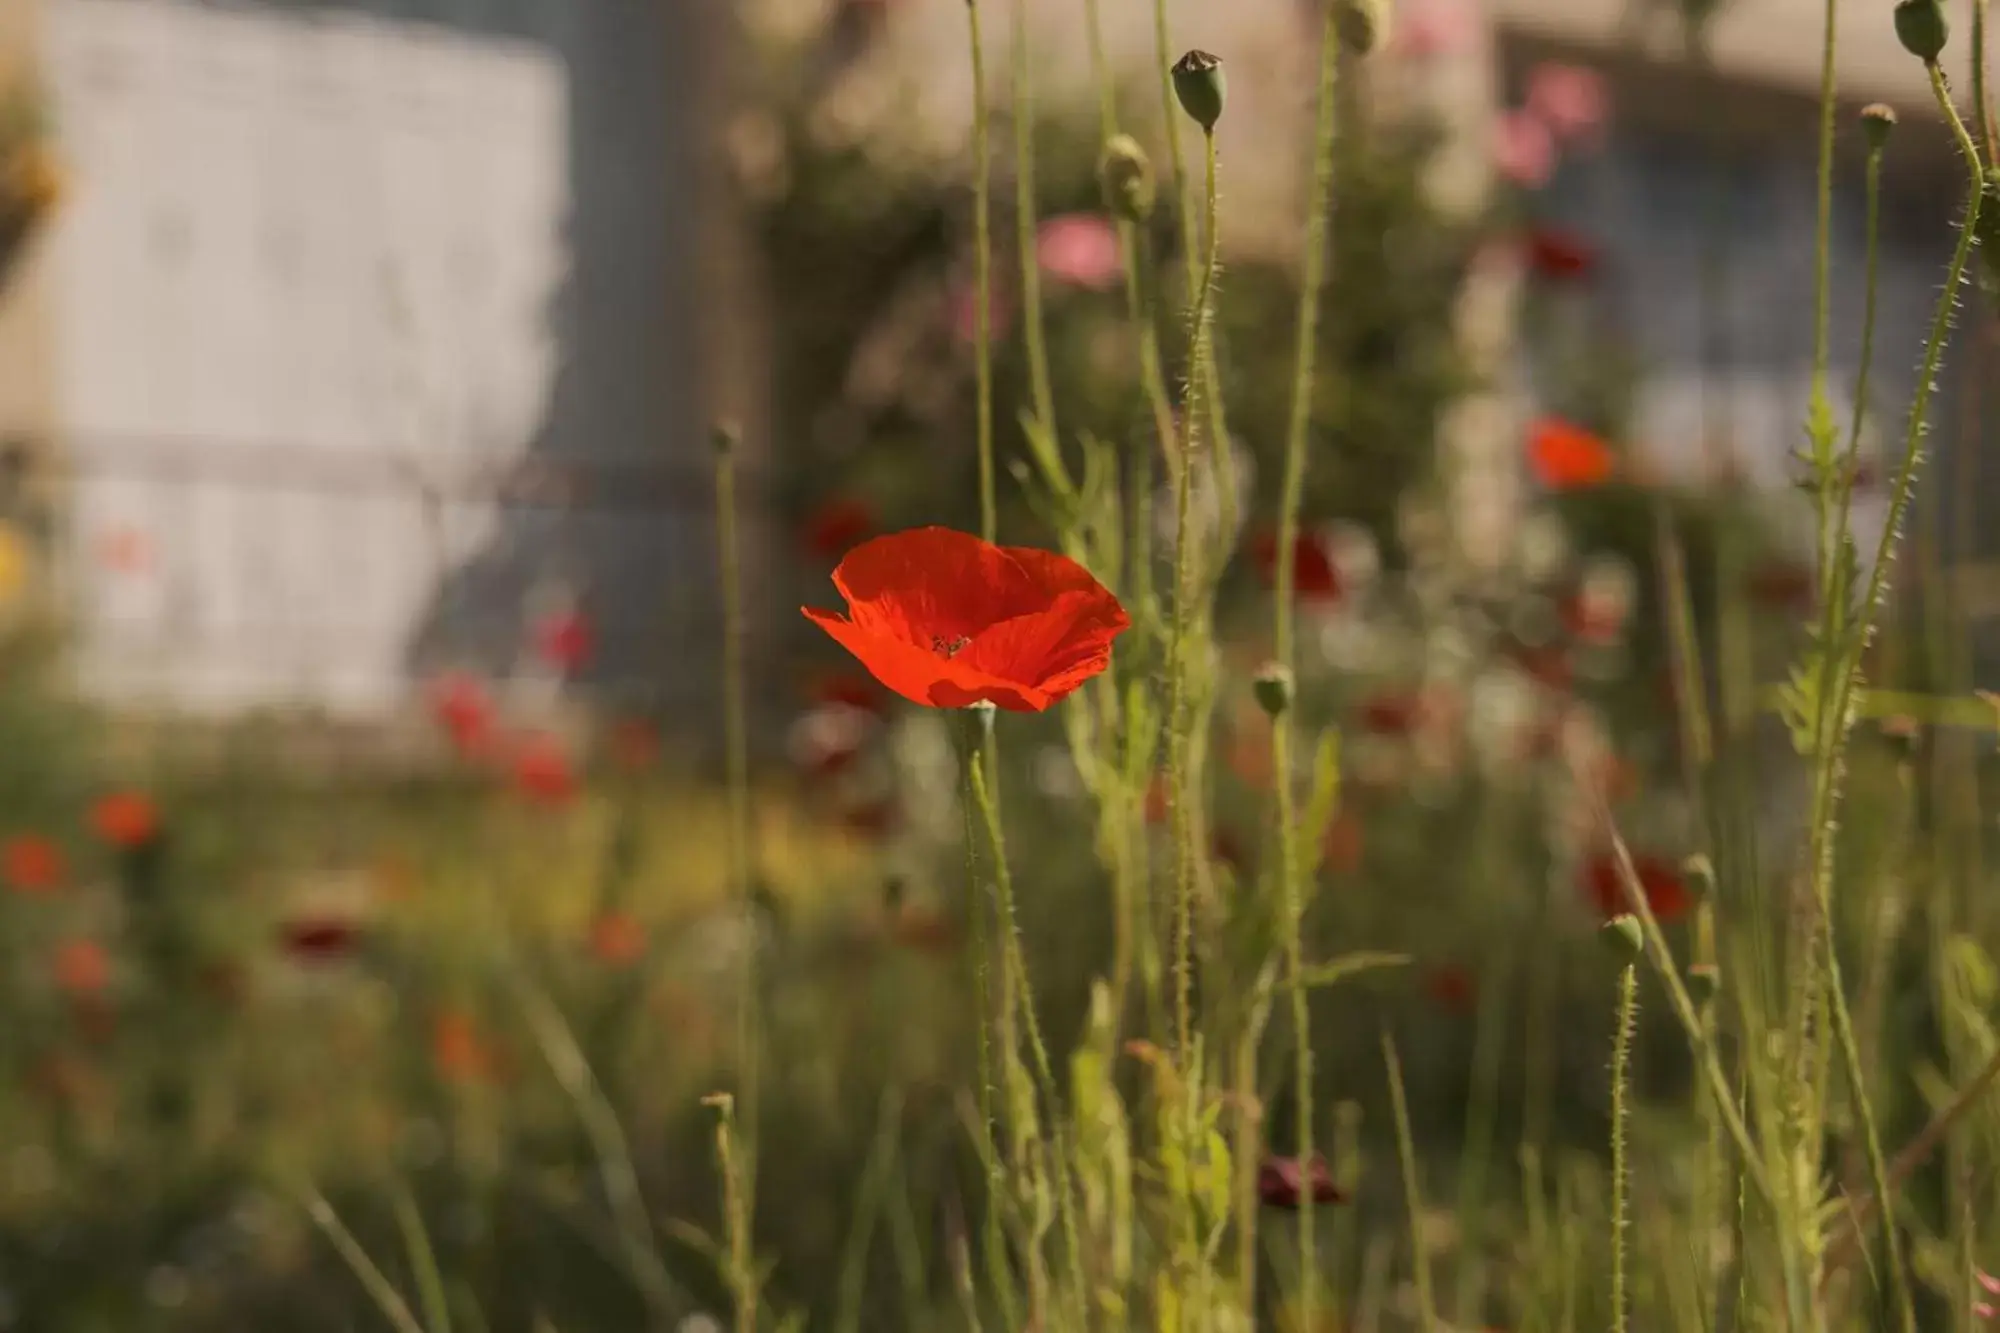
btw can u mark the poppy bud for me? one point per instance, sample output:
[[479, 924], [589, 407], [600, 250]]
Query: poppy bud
[[1621, 934], [724, 437], [1922, 28], [1126, 174], [1200, 85], [1703, 981], [1362, 24], [1699, 875], [1273, 688], [1876, 122]]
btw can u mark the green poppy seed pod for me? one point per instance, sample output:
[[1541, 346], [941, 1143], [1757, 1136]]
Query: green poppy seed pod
[[724, 437], [1877, 120], [1700, 875], [1704, 981], [1362, 24], [1273, 688], [1922, 28], [1200, 85], [1621, 935], [1126, 174]]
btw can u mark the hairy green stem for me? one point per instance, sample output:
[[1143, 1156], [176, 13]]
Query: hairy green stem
[[736, 747], [1312, 279], [1413, 1199], [982, 270], [1621, 1078]]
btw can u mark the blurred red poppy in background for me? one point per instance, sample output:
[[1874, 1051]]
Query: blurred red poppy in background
[[81, 967], [617, 939], [851, 689], [565, 639], [125, 819], [946, 619], [1315, 577], [1286, 1182], [1559, 256], [31, 864], [319, 939], [837, 526], [463, 708], [543, 773], [1452, 989], [1565, 456], [1666, 891]]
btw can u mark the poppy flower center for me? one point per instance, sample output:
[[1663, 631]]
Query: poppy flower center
[[948, 648]]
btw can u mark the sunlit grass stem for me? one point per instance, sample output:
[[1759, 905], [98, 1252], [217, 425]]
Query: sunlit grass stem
[[982, 273], [1413, 1199], [736, 733], [1033, 329], [1312, 279]]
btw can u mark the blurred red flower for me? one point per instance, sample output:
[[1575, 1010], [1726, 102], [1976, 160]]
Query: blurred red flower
[[1566, 457], [1452, 988], [565, 639], [634, 744], [1523, 149], [126, 818], [851, 689], [542, 772], [457, 1049], [1391, 713], [946, 619], [1342, 845], [81, 967], [1559, 255], [870, 820], [1782, 585], [1569, 99], [1286, 1182], [1666, 892], [1081, 249], [1315, 578], [1591, 619], [617, 939], [1159, 799], [463, 707], [316, 939], [837, 526], [31, 864], [923, 931]]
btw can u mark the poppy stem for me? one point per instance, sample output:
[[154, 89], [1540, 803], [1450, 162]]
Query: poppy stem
[[1312, 280], [1621, 1078], [736, 747], [1413, 1198], [982, 271], [1032, 328]]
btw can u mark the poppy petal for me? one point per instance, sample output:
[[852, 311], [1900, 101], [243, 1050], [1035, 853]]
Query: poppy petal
[[1058, 648], [923, 676]]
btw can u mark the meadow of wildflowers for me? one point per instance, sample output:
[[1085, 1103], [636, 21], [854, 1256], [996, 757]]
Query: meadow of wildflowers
[[1178, 884]]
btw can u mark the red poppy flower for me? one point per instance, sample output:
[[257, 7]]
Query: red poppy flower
[[849, 689], [837, 526], [617, 939], [1391, 714], [1559, 256], [1315, 577], [1286, 1182], [542, 772], [565, 639], [457, 1049], [463, 707], [1341, 846], [1666, 892], [1782, 585], [81, 967], [31, 864], [319, 939], [126, 818], [1567, 457], [923, 932], [1452, 989], [1592, 620], [946, 619], [634, 745]]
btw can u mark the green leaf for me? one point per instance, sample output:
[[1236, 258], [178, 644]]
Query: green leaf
[[1349, 965]]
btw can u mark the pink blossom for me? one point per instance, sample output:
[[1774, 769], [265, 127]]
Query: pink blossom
[[1523, 149], [1569, 99], [1080, 249], [1432, 28]]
